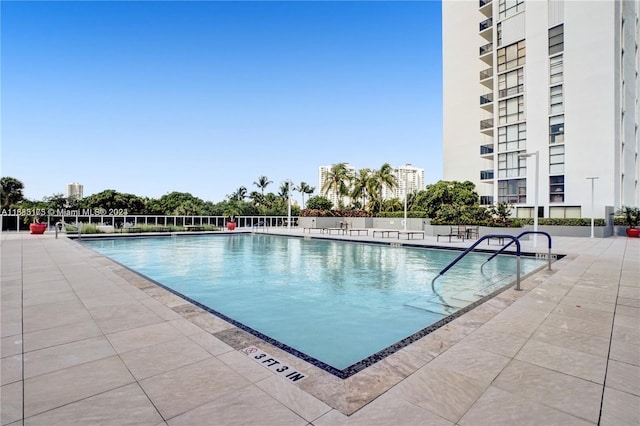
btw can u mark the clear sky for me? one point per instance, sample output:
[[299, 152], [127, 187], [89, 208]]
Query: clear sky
[[205, 97]]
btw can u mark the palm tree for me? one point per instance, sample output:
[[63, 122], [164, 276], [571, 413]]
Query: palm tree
[[304, 188], [262, 183], [284, 190], [239, 195], [385, 178], [338, 179], [361, 186]]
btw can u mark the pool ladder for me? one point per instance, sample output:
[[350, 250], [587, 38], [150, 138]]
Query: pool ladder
[[514, 239]]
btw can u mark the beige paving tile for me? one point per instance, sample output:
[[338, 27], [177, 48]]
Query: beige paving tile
[[630, 311], [61, 387], [63, 356], [60, 335], [581, 325], [127, 405], [387, 410], [566, 393], [152, 360], [160, 309], [498, 407], [575, 363], [626, 321], [627, 301], [136, 338], [623, 377], [495, 341], [440, 391], [241, 363], [47, 315], [191, 386], [575, 340], [584, 313], [629, 292], [626, 335], [625, 352], [11, 403], [11, 369], [298, 401], [11, 345], [210, 343], [619, 408], [124, 316], [248, 406], [471, 361], [186, 327]]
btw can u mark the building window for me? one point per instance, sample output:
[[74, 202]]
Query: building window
[[511, 110], [486, 200], [512, 137], [556, 159], [568, 212], [510, 165], [556, 99], [499, 33], [556, 129], [511, 83], [507, 8], [511, 56], [513, 191], [556, 189], [556, 39], [556, 69]]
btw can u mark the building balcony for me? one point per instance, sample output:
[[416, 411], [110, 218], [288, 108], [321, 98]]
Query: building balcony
[[486, 78], [486, 8], [486, 53], [486, 174], [486, 29], [486, 150], [486, 102], [511, 91], [486, 126]]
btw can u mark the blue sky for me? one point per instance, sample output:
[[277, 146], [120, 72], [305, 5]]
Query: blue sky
[[205, 97]]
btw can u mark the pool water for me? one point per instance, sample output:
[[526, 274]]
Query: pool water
[[336, 302]]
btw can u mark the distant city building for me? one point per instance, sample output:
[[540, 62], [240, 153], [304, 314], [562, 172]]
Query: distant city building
[[556, 80], [74, 190], [409, 180]]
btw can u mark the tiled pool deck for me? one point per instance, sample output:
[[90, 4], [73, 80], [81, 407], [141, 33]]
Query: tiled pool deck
[[85, 341]]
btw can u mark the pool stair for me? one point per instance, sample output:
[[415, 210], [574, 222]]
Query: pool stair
[[449, 302]]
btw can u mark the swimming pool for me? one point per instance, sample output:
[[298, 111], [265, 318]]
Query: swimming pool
[[341, 305]]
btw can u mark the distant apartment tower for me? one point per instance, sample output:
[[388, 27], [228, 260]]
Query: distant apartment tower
[[323, 174], [409, 179], [74, 190], [556, 77]]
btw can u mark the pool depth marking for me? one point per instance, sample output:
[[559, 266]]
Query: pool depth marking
[[273, 364]]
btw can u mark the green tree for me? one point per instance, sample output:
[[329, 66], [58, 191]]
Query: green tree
[[262, 183], [111, 199], [305, 188], [360, 188], [11, 191], [319, 203], [173, 202], [337, 181], [383, 178]]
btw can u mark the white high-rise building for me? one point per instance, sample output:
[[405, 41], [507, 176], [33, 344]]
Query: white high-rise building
[[74, 190], [323, 174], [409, 180], [556, 80]]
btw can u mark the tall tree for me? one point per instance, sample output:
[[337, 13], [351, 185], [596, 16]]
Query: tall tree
[[304, 188], [361, 185], [338, 180], [11, 191], [262, 183], [239, 195], [384, 178]]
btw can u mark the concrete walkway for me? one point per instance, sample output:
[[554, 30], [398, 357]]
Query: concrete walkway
[[85, 341]]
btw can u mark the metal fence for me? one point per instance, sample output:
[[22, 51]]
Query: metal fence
[[15, 222]]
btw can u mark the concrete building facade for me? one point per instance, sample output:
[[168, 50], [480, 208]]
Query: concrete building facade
[[553, 82]]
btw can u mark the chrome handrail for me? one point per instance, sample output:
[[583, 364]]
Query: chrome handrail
[[518, 238]]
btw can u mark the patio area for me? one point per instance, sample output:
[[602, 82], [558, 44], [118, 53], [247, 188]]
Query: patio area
[[86, 341]]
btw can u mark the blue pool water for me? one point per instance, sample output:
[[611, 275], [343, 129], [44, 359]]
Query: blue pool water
[[338, 302]]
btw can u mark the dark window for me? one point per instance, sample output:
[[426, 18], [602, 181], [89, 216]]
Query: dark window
[[556, 39], [556, 129], [512, 191], [556, 189]]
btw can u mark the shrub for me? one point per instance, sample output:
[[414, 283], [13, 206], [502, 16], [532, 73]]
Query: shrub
[[584, 221], [416, 214]]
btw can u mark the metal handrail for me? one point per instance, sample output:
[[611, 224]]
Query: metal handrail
[[481, 239], [518, 238]]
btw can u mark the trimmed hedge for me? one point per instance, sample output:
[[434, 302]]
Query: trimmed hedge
[[584, 221], [416, 214]]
